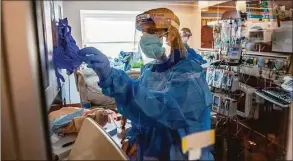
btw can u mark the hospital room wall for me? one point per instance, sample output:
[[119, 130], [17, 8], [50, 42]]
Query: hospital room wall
[[188, 15]]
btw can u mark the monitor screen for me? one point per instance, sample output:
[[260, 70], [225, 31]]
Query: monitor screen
[[217, 75], [222, 107], [233, 53], [216, 101], [225, 78]]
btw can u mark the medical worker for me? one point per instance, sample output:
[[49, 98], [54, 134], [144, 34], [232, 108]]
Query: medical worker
[[186, 34], [170, 100]]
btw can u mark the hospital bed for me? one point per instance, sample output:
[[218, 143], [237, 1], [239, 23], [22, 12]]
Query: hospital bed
[[93, 142]]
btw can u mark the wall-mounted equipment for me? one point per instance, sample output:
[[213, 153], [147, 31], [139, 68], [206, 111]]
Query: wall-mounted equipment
[[246, 103], [224, 105], [268, 65], [260, 36]]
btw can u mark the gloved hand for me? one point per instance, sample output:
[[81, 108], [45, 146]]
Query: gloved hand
[[97, 61], [129, 145], [129, 149]]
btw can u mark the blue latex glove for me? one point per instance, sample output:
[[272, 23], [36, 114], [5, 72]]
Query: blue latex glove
[[97, 61], [65, 51]]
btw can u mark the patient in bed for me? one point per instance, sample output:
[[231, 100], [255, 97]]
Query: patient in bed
[[68, 120]]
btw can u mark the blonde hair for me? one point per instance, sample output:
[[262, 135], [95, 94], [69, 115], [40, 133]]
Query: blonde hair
[[185, 29], [177, 42]]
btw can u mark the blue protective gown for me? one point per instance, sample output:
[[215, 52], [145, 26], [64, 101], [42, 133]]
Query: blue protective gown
[[168, 102], [192, 55]]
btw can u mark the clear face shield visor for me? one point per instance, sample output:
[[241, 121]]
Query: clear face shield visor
[[185, 36], [151, 37]]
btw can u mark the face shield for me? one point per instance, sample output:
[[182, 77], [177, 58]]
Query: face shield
[[151, 36], [185, 36]]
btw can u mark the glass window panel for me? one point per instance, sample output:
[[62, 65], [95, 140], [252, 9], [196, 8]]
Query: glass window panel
[[108, 30], [112, 49]]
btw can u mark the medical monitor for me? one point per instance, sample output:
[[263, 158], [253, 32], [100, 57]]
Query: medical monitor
[[246, 104], [216, 102]]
